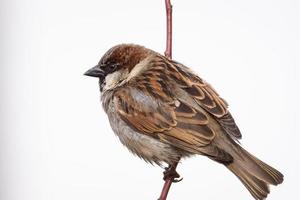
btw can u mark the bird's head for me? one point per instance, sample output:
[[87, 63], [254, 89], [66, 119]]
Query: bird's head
[[116, 65]]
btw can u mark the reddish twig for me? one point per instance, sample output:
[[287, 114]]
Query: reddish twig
[[168, 52], [165, 190]]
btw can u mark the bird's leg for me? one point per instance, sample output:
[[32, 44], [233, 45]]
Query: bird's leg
[[171, 173], [170, 176]]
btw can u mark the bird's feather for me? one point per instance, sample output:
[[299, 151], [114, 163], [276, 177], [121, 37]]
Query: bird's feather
[[150, 104]]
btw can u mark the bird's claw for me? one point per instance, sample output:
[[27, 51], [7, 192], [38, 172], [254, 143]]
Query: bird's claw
[[176, 180], [170, 173]]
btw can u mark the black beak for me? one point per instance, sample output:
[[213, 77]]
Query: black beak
[[95, 72]]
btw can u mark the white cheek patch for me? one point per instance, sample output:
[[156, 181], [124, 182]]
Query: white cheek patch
[[111, 80], [120, 77]]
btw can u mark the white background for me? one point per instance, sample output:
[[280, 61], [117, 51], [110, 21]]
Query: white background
[[56, 143]]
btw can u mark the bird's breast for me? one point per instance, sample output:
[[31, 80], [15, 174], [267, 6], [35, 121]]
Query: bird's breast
[[146, 147]]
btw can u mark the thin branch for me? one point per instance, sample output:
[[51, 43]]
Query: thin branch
[[165, 190], [168, 52]]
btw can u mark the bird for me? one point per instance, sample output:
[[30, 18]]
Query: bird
[[163, 112]]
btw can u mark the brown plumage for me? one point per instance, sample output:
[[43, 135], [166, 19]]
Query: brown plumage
[[162, 112]]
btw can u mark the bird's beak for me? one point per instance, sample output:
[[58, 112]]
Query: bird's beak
[[95, 72]]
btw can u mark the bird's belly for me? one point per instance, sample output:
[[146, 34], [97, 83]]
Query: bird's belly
[[146, 147]]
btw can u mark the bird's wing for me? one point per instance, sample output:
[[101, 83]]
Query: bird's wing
[[208, 99], [149, 104]]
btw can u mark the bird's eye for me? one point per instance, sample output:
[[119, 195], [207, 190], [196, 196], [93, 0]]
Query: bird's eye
[[113, 66], [109, 67]]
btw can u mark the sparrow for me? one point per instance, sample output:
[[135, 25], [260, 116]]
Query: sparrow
[[163, 112]]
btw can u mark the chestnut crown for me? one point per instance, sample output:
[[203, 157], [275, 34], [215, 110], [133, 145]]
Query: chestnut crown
[[123, 56]]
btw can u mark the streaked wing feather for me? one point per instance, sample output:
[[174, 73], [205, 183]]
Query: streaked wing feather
[[208, 99], [150, 107], [142, 112], [149, 104]]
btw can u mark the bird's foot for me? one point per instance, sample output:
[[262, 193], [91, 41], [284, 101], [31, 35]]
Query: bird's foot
[[171, 173]]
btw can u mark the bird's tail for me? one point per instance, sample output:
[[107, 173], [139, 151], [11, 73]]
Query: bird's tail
[[254, 174]]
